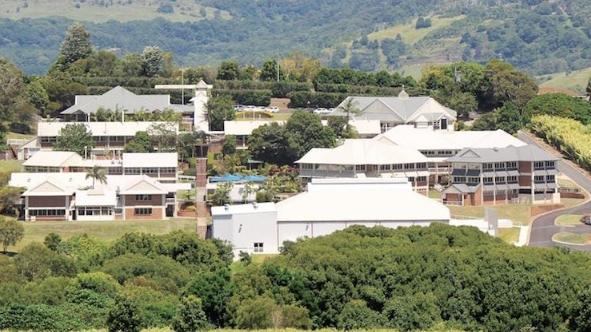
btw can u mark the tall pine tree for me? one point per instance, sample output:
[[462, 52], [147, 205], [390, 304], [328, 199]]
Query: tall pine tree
[[76, 46]]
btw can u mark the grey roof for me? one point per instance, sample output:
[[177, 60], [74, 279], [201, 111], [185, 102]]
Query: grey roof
[[398, 108], [119, 98], [461, 188], [510, 153]]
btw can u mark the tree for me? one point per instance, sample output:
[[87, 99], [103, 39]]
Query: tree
[[258, 313], [141, 143], [299, 67], [152, 61], [413, 312], [9, 200], [229, 146], [97, 173], [190, 316], [356, 315], [220, 109], [38, 97], [271, 71], [124, 316], [11, 231], [588, 90], [270, 143], [229, 70], [164, 136], [558, 104], [75, 46], [11, 91], [248, 189], [349, 108], [52, 241], [306, 131], [503, 83], [221, 195], [75, 138]]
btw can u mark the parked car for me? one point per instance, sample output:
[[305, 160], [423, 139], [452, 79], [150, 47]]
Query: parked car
[[272, 109], [586, 220], [322, 111]]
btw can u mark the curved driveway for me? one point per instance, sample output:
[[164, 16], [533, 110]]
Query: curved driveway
[[543, 227]]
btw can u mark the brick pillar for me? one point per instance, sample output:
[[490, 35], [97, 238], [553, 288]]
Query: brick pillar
[[200, 197]]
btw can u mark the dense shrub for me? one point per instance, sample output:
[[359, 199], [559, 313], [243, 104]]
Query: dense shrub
[[304, 99], [246, 97]]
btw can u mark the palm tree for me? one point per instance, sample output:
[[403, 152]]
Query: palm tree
[[349, 107], [97, 174]]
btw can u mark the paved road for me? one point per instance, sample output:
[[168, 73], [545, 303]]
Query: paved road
[[543, 227]]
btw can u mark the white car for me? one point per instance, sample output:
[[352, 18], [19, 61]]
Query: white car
[[272, 109], [322, 111]]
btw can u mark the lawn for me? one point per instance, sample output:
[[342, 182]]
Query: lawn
[[576, 80], [509, 235], [568, 220], [12, 135], [184, 10], [518, 213], [434, 194], [260, 116], [572, 238], [103, 230], [409, 33], [10, 166]]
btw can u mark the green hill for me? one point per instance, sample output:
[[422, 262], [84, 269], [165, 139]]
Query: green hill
[[539, 36]]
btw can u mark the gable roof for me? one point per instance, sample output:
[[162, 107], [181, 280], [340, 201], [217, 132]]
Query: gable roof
[[510, 153], [48, 188], [362, 152], [428, 139], [54, 159], [52, 129], [119, 98], [403, 108], [143, 185]]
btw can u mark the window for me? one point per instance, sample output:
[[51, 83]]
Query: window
[[550, 165], [539, 179], [487, 167], [132, 171], [421, 165], [550, 179], [258, 247], [143, 211], [307, 166], [512, 179], [421, 179], [397, 166], [48, 212], [409, 166], [360, 168], [512, 165], [384, 167], [473, 179], [168, 170], [488, 180], [143, 197], [539, 165], [459, 179], [500, 180], [150, 170], [499, 166]]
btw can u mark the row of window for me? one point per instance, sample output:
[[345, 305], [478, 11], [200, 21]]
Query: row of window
[[142, 211], [438, 153], [500, 166], [542, 179], [544, 165], [500, 179], [48, 212], [42, 169], [143, 197], [95, 211], [149, 170]]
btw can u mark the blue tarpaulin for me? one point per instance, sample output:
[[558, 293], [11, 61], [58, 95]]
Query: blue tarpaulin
[[237, 178]]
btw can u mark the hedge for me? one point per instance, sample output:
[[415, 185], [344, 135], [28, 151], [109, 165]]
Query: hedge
[[246, 97], [305, 99]]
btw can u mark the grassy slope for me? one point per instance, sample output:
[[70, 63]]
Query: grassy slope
[[104, 230], [184, 10], [9, 166], [409, 34], [576, 80]]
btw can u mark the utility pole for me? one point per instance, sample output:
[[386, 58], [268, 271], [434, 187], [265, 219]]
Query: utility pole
[[277, 67]]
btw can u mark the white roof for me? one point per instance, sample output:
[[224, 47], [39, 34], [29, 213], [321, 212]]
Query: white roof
[[354, 202], [366, 127], [242, 209], [96, 197], [48, 188], [54, 159], [244, 128], [52, 129], [70, 182], [429, 139], [363, 152], [150, 159]]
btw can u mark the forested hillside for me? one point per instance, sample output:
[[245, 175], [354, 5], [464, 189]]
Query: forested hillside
[[539, 36]]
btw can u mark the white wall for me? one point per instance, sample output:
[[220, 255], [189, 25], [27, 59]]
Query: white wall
[[242, 230]]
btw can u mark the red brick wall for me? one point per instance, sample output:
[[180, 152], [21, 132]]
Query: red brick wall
[[156, 214], [131, 201], [525, 180], [524, 167], [47, 201], [201, 172]]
